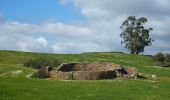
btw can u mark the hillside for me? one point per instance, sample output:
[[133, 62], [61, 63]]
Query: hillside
[[15, 82]]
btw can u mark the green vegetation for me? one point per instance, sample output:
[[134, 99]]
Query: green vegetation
[[135, 36], [16, 83], [159, 57], [167, 60], [41, 62], [162, 59], [41, 73]]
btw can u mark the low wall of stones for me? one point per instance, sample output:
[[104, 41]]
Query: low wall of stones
[[92, 71], [83, 75], [97, 66]]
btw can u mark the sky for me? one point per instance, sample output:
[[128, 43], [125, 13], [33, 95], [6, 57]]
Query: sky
[[75, 26]]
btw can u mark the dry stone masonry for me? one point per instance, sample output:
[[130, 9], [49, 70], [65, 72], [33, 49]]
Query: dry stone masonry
[[92, 71]]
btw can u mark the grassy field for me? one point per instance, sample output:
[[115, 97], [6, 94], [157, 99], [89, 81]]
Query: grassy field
[[15, 83]]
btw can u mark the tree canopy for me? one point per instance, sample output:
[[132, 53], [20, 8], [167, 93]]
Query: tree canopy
[[135, 36]]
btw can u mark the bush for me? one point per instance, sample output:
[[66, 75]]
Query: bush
[[167, 59], [42, 73], [160, 58], [39, 63]]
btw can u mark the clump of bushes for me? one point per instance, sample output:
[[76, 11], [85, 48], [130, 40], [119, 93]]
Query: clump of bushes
[[39, 63], [162, 59], [167, 60], [44, 65], [42, 73]]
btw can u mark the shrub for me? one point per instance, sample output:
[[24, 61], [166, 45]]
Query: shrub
[[160, 57], [167, 59], [39, 63], [42, 73]]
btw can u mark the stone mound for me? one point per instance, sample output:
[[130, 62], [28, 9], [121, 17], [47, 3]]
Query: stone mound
[[92, 71]]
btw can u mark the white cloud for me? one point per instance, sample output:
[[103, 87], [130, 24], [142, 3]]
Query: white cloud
[[94, 36], [157, 12], [163, 3], [33, 44], [75, 47], [15, 27], [110, 8], [99, 32], [64, 2], [65, 29]]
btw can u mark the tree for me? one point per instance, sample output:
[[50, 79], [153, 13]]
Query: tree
[[135, 35], [167, 59], [160, 57]]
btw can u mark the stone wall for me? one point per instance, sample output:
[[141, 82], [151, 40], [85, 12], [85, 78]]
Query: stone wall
[[98, 66], [83, 75], [92, 71]]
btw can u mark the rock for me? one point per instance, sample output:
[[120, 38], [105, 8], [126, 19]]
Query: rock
[[154, 76]]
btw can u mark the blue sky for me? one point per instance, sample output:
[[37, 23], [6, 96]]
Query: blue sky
[[36, 10], [75, 26]]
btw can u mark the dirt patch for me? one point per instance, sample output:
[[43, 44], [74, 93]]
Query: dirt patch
[[92, 71]]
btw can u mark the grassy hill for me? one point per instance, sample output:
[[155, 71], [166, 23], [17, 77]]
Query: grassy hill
[[15, 83]]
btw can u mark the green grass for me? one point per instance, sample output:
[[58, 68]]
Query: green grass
[[16, 85]]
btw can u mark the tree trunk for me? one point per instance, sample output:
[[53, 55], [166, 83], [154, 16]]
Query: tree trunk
[[162, 63], [137, 53], [132, 52]]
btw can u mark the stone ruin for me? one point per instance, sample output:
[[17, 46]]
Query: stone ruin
[[92, 71]]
